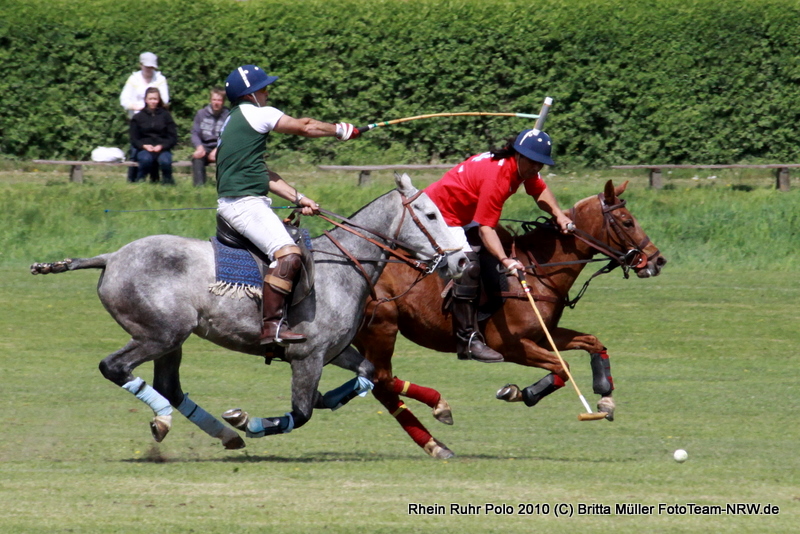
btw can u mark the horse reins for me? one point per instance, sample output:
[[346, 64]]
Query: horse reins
[[424, 268], [633, 258]]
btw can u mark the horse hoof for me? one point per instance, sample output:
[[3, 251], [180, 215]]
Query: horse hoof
[[234, 443], [509, 393], [442, 412], [607, 405], [160, 426], [237, 418], [437, 449]]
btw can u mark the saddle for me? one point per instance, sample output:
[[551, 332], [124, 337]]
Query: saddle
[[230, 237], [495, 288], [493, 283]]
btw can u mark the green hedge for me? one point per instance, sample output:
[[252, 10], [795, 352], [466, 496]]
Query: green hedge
[[673, 81]]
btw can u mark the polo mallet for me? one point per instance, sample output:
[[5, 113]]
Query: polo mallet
[[539, 125], [589, 416], [369, 127]]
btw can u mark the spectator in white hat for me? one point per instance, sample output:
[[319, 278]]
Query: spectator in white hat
[[132, 97]]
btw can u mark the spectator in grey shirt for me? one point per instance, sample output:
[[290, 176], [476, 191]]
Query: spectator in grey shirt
[[205, 132]]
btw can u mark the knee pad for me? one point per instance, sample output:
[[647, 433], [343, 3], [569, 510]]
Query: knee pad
[[468, 285], [533, 394], [602, 383], [282, 276]]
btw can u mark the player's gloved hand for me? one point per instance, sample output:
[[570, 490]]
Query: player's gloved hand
[[345, 131]]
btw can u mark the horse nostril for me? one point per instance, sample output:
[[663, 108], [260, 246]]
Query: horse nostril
[[661, 261], [462, 263]]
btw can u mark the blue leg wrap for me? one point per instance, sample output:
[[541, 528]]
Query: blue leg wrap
[[340, 396], [149, 396], [258, 427], [194, 413]]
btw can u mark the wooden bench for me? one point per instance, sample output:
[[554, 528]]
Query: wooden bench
[[782, 178], [365, 170], [76, 167]]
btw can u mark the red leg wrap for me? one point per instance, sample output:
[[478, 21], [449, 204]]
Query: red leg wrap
[[558, 381], [413, 427], [407, 420], [426, 395]]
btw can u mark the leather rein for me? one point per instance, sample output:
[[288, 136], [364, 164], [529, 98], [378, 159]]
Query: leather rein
[[424, 268], [634, 258]]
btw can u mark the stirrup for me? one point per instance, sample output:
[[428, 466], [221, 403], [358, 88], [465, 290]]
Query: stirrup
[[282, 341], [278, 338], [468, 355]]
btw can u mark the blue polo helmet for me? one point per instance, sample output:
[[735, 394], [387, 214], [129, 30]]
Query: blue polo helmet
[[245, 80], [535, 145]]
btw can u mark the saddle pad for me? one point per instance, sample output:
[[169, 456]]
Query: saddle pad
[[235, 267]]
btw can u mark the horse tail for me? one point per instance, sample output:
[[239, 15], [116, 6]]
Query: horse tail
[[71, 264]]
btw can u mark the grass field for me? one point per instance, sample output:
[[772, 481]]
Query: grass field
[[703, 361], [703, 358]]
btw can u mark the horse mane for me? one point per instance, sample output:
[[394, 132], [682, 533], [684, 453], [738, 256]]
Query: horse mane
[[362, 208]]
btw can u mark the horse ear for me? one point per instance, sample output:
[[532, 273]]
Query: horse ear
[[621, 188], [609, 192], [404, 185]]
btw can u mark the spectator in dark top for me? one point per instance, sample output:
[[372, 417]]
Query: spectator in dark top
[[132, 97], [205, 133], [154, 134]]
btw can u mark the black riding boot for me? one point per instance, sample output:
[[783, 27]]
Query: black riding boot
[[469, 342], [277, 285]]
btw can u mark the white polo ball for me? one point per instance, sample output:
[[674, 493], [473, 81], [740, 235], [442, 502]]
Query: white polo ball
[[680, 456]]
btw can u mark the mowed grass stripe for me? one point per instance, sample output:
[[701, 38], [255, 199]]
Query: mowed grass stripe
[[708, 369]]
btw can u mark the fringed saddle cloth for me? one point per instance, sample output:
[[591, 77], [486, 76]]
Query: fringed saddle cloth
[[241, 266], [238, 273]]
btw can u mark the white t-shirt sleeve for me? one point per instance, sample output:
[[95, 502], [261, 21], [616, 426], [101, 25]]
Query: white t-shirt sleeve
[[262, 120], [128, 97]]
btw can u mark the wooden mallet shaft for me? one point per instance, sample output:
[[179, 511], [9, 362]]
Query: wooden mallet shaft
[[589, 416]]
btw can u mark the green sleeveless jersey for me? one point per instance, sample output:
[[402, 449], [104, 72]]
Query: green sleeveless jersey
[[241, 169]]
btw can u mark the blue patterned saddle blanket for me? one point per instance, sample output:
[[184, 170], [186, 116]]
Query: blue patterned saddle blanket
[[237, 273], [241, 274]]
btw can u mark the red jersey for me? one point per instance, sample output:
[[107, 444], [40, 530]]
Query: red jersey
[[476, 190]]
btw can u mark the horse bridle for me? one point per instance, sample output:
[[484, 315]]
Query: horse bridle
[[424, 268], [634, 257]]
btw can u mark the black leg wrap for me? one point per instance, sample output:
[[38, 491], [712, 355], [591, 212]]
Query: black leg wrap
[[544, 387], [274, 425], [602, 382]]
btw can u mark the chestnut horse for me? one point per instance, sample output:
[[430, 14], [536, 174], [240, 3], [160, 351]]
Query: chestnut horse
[[553, 262]]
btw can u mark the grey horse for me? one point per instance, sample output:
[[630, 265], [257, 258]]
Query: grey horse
[[157, 289]]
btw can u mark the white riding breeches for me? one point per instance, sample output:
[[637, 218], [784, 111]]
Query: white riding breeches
[[460, 236], [253, 217]]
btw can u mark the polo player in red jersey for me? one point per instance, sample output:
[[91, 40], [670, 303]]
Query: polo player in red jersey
[[472, 194]]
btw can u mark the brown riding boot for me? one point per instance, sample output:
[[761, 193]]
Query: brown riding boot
[[469, 342], [277, 285]]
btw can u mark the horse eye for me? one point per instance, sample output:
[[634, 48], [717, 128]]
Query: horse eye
[[628, 223], [431, 216]]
